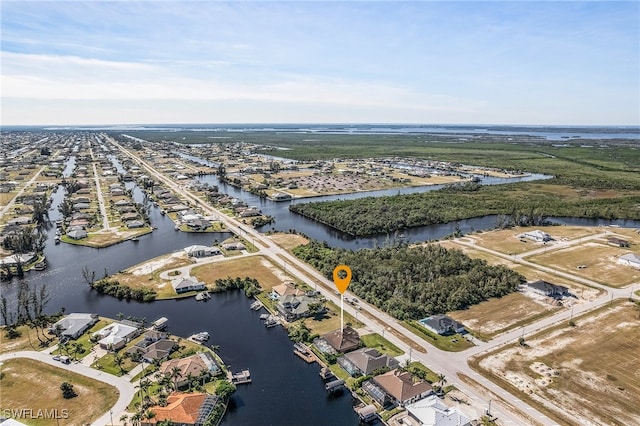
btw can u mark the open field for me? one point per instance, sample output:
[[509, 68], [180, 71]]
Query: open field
[[258, 267], [494, 316], [33, 385], [586, 374], [331, 320], [531, 274], [288, 241], [27, 341], [600, 261], [506, 241], [146, 275]]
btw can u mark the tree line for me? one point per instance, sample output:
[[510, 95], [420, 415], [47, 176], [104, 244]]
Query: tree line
[[376, 215], [414, 282]]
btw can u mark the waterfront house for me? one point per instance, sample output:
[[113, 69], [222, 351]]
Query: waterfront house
[[73, 325], [201, 251], [285, 289], [294, 307], [159, 350], [365, 361], [135, 224], [116, 335], [545, 288], [344, 340], [191, 366], [442, 324], [431, 411], [77, 234], [234, 246], [184, 409], [397, 388], [630, 259], [187, 284]]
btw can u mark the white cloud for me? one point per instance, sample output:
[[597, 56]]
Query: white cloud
[[30, 76]]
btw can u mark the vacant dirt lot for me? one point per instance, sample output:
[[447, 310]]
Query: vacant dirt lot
[[587, 374], [507, 241], [495, 316], [288, 241], [600, 260]]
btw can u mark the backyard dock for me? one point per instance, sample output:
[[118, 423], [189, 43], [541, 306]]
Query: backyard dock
[[240, 378]]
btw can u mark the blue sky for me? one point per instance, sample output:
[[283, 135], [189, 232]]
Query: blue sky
[[543, 62]]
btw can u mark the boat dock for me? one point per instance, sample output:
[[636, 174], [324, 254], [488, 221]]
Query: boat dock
[[305, 353], [240, 378], [334, 386], [256, 306]]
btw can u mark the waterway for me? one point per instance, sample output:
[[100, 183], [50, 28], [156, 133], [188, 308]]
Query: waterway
[[285, 390]]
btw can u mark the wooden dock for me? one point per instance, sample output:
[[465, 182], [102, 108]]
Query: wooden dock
[[304, 352]]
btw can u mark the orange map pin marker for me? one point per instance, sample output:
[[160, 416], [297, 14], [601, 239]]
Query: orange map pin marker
[[342, 283]]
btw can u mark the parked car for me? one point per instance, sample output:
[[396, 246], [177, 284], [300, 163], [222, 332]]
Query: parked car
[[56, 357]]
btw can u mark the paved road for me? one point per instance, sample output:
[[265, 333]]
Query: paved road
[[6, 208], [103, 208], [125, 388], [447, 363]]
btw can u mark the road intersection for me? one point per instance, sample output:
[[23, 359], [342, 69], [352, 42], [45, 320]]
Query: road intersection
[[508, 408]]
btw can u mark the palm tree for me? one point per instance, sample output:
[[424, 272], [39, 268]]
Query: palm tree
[[175, 373], [135, 419], [123, 419], [190, 378], [148, 415], [143, 385]]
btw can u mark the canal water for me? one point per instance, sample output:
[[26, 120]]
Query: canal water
[[285, 390]]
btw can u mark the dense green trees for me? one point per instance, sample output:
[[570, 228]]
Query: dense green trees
[[250, 286], [114, 288], [518, 202], [412, 283]]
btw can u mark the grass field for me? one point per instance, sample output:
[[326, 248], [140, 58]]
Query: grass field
[[600, 260], [506, 241], [570, 368], [33, 385], [26, 342], [453, 343], [331, 321], [376, 341], [494, 316], [258, 267]]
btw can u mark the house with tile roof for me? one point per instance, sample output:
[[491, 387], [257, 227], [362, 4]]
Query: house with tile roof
[[192, 365], [184, 409], [397, 387]]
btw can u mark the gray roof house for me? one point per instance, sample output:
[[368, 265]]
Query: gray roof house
[[548, 289], [294, 307], [442, 324], [364, 361], [187, 284], [73, 325]]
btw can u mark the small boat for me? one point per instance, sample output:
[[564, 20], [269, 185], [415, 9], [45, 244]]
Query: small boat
[[162, 212], [40, 266], [200, 337], [57, 240], [135, 239], [203, 295], [256, 305], [264, 316], [271, 322]]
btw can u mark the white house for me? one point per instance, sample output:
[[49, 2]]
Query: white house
[[432, 412], [537, 235], [115, 336], [630, 259], [187, 284], [201, 251]]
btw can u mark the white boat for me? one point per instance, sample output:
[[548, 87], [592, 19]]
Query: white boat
[[200, 337], [203, 295]]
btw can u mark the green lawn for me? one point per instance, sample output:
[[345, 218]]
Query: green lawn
[[454, 343], [374, 340]]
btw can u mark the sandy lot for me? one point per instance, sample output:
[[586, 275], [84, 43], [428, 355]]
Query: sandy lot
[[587, 374]]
